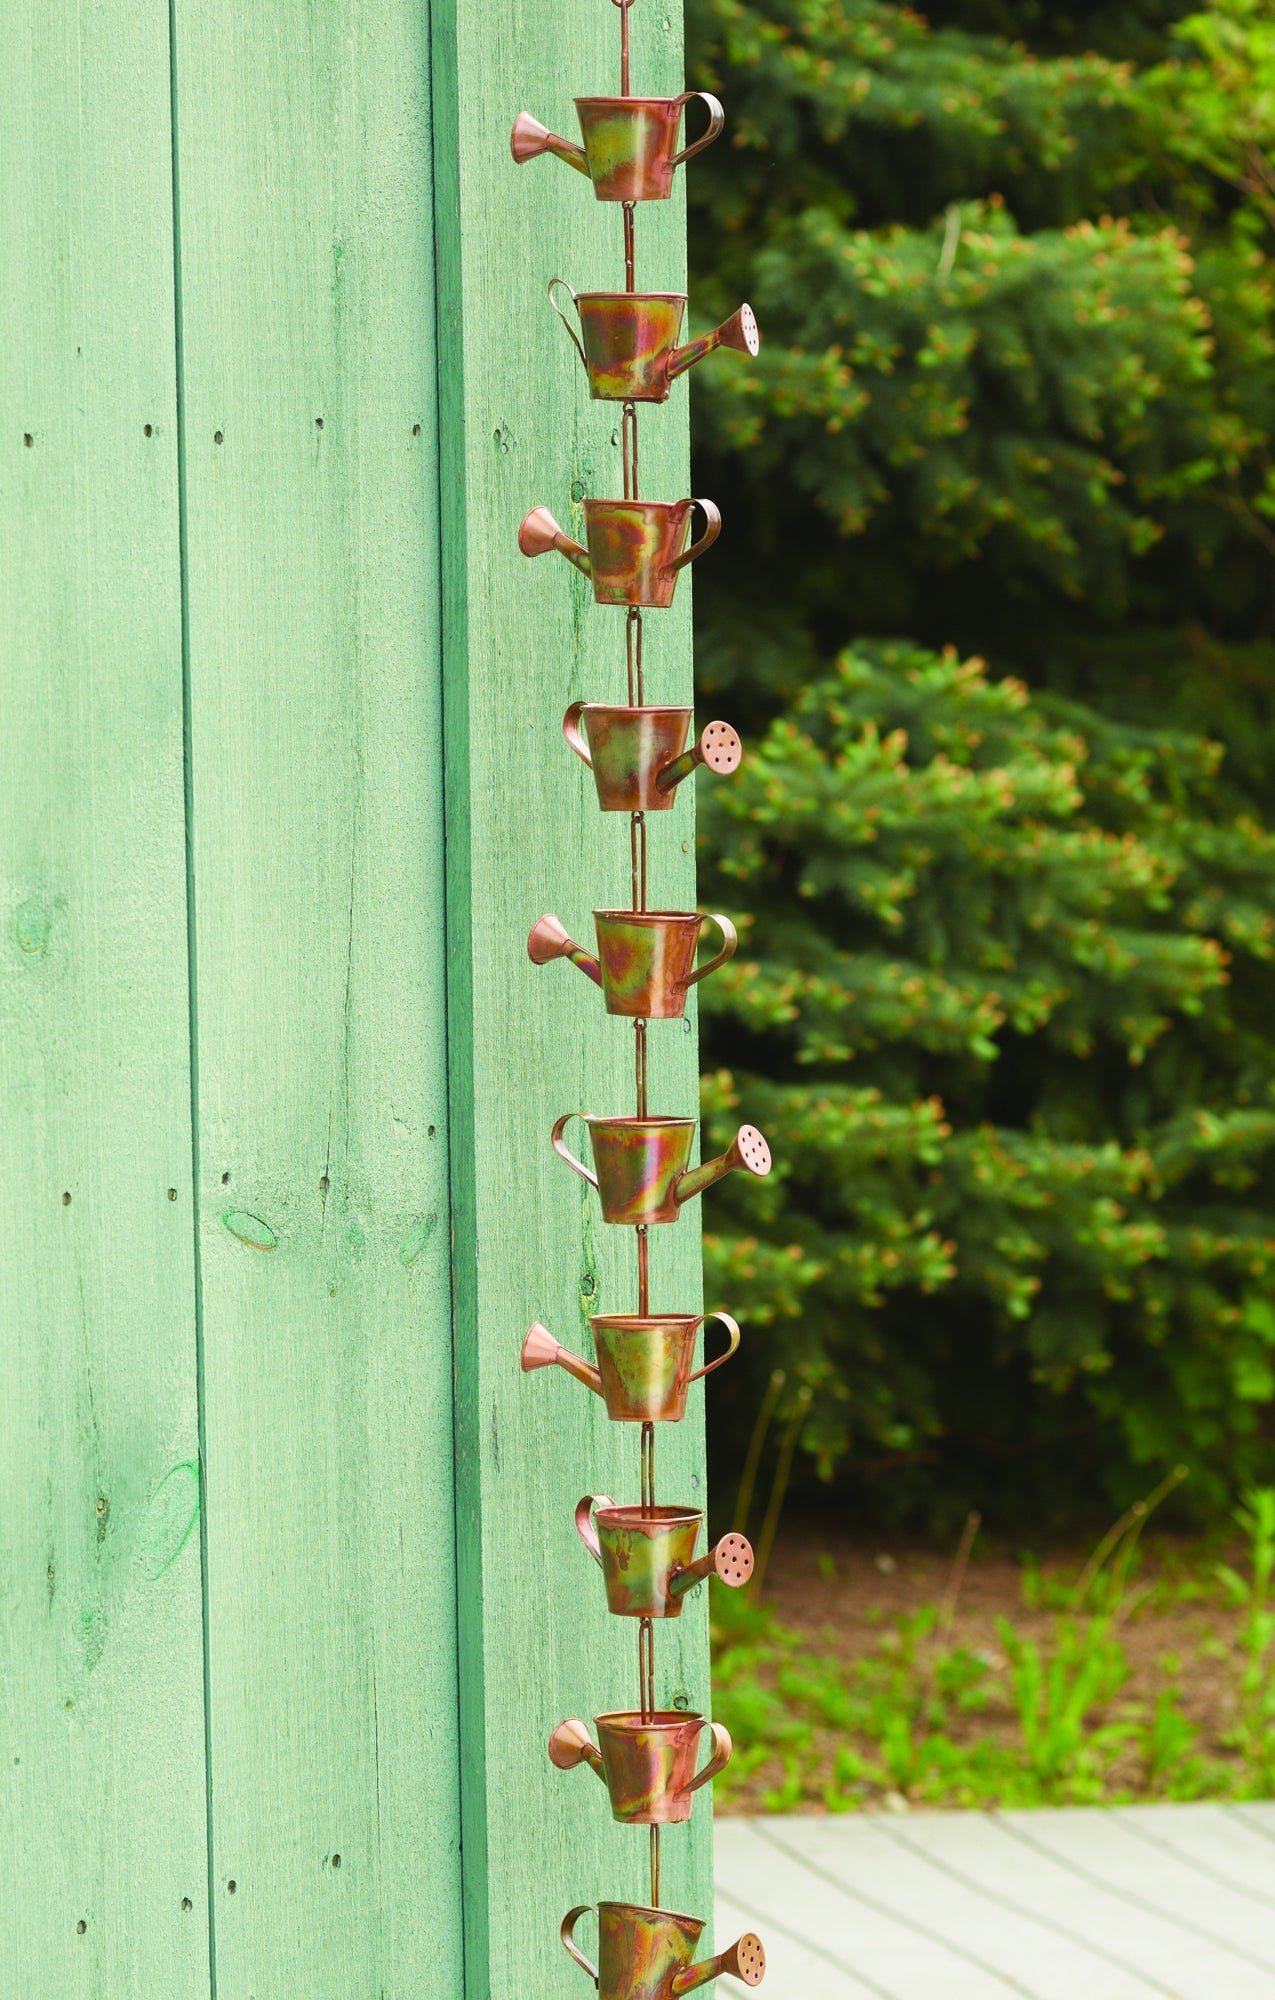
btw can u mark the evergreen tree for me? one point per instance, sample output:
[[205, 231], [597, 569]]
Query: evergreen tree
[[996, 607]]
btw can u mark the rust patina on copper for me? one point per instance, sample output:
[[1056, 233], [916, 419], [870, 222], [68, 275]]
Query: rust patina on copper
[[647, 1764], [630, 147], [638, 756], [636, 548], [647, 1555], [646, 1954], [628, 341], [646, 958], [643, 1173], [644, 1364]]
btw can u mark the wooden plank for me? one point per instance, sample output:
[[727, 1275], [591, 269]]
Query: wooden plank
[[103, 1802], [524, 836], [794, 1970], [875, 1938], [309, 395], [1211, 1840], [1095, 1844]]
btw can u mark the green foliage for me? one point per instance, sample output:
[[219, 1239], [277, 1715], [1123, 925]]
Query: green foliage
[[921, 1717], [1005, 887]]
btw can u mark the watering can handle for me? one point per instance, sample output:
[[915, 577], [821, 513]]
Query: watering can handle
[[706, 540], [570, 1158], [567, 1934], [730, 938], [716, 120], [584, 1522], [722, 1749], [733, 1330], [563, 317], [571, 730]]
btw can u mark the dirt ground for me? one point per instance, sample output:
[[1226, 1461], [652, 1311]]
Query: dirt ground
[[1177, 1627]]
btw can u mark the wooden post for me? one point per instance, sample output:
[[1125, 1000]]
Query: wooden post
[[309, 391], [524, 836], [102, 1795]]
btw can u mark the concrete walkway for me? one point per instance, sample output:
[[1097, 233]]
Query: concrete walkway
[[1082, 1904]]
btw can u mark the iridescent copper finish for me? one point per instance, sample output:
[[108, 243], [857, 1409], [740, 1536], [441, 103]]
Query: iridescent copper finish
[[628, 341], [630, 143], [644, 1364], [636, 548], [638, 755], [643, 1172], [647, 1555], [648, 1954], [646, 958], [647, 1764]]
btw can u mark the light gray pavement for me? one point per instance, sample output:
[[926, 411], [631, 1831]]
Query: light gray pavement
[[1082, 1904]]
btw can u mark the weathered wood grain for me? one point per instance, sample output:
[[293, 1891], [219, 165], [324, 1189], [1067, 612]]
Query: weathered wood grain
[[522, 640], [102, 1798], [307, 300]]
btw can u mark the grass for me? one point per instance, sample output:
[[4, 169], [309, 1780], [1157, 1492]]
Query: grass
[[1067, 1706]]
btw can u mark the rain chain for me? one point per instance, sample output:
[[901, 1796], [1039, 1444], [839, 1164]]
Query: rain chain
[[645, 964]]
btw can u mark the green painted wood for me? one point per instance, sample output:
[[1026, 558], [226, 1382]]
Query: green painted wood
[[522, 640], [102, 1795], [307, 300]]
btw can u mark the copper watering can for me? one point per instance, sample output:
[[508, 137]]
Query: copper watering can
[[630, 143], [637, 548], [647, 1954], [643, 1164], [647, 1556], [628, 341], [646, 958], [638, 756], [644, 1364], [648, 1766]]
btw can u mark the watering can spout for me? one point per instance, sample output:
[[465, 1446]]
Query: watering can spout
[[540, 533], [740, 331], [530, 138], [745, 1961], [748, 1154], [549, 940], [718, 747], [731, 1560], [541, 1350]]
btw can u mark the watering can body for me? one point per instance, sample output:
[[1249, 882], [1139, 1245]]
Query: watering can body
[[644, 1367], [628, 341], [643, 1173], [636, 548], [638, 756], [646, 1762], [646, 958], [646, 1954], [647, 1555], [629, 149]]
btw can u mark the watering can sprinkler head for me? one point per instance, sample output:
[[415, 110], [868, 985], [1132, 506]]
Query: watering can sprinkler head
[[718, 747], [541, 1350], [740, 331], [748, 1153], [745, 1961], [530, 138], [549, 940]]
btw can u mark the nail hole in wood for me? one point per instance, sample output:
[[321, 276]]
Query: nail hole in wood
[[148, 430], [416, 430], [172, 1194], [225, 1179], [323, 1183], [27, 438], [431, 1131], [186, 1903], [336, 1861], [66, 1199], [81, 1927], [232, 1885], [318, 423], [216, 437]]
